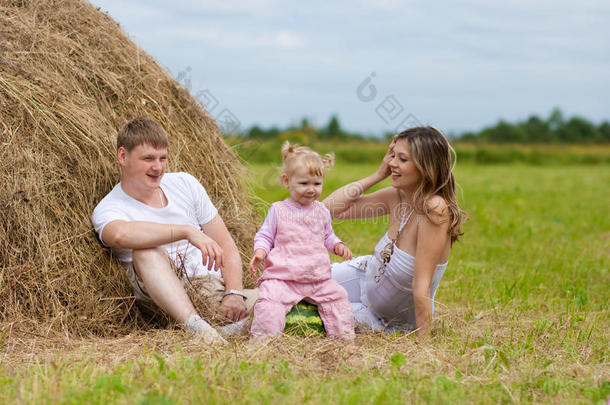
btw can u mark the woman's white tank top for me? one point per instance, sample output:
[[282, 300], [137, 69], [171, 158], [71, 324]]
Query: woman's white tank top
[[391, 299]]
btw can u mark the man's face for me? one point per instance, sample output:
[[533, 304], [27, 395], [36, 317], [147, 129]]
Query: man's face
[[144, 166]]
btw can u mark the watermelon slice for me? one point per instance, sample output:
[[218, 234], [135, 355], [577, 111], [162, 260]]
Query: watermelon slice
[[304, 320]]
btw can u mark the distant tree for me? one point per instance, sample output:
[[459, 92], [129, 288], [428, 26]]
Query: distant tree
[[579, 130], [503, 132], [307, 129], [256, 132], [555, 121], [273, 133], [470, 137], [604, 131], [332, 130], [537, 130], [554, 129]]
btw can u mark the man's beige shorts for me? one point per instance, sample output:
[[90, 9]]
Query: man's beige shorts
[[208, 288]]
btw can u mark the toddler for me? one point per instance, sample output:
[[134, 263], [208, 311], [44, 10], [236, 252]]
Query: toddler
[[294, 240]]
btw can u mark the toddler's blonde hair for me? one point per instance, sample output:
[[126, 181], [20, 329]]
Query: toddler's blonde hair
[[294, 155]]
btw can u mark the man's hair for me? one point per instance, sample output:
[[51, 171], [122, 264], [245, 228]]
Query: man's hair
[[141, 131]]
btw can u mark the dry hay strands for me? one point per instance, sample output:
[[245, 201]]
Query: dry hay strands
[[69, 78]]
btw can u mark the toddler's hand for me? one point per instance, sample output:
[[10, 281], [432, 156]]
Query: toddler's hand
[[257, 260], [343, 251]]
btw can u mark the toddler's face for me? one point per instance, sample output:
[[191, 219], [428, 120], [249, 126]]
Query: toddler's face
[[304, 188]]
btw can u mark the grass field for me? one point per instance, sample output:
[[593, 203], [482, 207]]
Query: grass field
[[521, 316]]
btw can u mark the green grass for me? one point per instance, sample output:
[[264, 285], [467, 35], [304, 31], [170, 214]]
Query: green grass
[[521, 316]]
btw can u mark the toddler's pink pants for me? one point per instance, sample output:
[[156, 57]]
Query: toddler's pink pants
[[277, 297]]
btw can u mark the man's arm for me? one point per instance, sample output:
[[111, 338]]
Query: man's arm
[[141, 234], [145, 235], [233, 306]]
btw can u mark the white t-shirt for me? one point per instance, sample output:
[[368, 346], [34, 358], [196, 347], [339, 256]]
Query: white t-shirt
[[187, 204]]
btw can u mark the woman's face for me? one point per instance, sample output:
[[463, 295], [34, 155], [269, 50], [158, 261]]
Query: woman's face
[[405, 174]]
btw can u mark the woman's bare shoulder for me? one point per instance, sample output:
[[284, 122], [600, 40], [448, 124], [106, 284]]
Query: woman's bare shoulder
[[437, 208]]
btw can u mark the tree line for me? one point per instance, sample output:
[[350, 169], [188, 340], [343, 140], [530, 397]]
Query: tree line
[[554, 129]]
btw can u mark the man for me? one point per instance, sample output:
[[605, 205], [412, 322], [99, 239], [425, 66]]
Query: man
[[156, 223]]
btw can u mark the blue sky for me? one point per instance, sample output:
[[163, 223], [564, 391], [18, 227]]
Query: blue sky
[[458, 65]]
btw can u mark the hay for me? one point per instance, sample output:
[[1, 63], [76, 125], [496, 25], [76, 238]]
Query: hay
[[69, 78]]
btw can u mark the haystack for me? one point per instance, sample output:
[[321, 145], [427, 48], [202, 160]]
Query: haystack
[[69, 79]]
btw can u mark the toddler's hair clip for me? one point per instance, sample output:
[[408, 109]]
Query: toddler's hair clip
[[328, 160]]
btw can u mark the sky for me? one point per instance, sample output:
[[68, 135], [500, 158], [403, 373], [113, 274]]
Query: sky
[[380, 66]]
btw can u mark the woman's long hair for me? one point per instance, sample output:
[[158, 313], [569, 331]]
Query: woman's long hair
[[435, 159]]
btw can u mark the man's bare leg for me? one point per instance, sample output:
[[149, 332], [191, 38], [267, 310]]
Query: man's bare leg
[[166, 290], [162, 283]]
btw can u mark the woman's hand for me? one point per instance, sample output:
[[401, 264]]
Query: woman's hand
[[257, 260], [350, 201], [342, 250], [384, 169]]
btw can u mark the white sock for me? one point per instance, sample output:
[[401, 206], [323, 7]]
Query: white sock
[[196, 325], [234, 328]]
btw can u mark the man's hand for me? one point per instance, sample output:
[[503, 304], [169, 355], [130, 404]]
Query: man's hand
[[343, 251], [257, 260], [233, 307], [209, 249]]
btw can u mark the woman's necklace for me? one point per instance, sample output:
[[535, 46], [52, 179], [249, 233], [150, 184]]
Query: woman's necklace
[[388, 249]]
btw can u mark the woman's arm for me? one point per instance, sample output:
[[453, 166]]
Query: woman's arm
[[432, 240], [350, 202]]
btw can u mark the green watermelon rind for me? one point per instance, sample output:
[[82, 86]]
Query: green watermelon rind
[[304, 320]]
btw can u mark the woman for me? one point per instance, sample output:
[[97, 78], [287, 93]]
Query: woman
[[393, 289]]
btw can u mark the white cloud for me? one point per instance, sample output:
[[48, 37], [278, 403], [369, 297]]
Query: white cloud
[[484, 56], [288, 40], [214, 37]]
